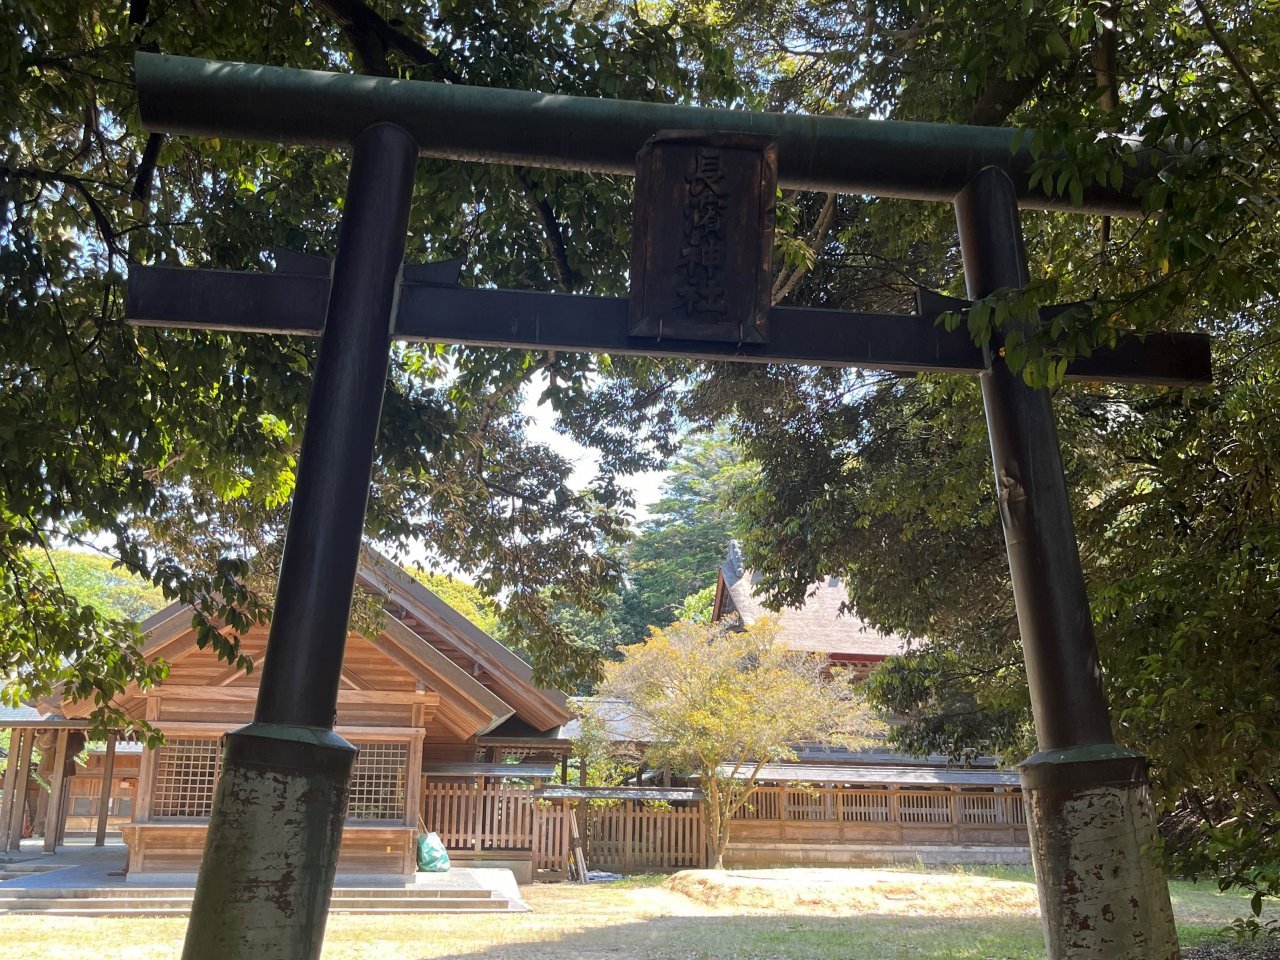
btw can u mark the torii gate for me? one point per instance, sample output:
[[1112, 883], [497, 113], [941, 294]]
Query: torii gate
[[271, 852]]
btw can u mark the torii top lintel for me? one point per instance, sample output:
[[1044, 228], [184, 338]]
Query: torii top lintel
[[918, 161]]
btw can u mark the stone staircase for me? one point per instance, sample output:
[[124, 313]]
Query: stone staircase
[[138, 901]]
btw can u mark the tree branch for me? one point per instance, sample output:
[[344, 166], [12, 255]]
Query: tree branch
[[100, 218], [374, 38], [1267, 108], [147, 168], [566, 277]]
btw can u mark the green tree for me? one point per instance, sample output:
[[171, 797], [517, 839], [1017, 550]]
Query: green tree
[[101, 583], [177, 449], [683, 542], [676, 552], [698, 607], [721, 704], [602, 762]]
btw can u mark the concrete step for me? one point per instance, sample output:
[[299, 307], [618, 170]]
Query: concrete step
[[85, 911], [95, 908], [100, 912], [412, 904], [139, 892], [12, 871], [161, 902]]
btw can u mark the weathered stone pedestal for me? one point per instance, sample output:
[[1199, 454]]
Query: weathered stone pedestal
[[1102, 894]]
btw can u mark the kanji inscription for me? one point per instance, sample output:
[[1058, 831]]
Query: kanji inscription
[[703, 237], [701, 288]]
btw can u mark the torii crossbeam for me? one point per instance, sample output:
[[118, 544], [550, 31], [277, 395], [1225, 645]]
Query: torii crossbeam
[[271, 852], [433, 308]]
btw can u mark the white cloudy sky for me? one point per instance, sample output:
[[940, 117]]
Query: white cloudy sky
[[644, 486]]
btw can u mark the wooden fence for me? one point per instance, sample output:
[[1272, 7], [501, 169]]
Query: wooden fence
[[632, 836], [781, 823], [488, 817], [851, 805]]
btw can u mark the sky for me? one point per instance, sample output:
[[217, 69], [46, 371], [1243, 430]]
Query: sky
[[645, 487]]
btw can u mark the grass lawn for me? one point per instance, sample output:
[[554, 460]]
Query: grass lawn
[[637, 919]]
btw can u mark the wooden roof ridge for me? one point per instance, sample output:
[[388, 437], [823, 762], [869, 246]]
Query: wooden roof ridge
[[407, 642], [543, 707]]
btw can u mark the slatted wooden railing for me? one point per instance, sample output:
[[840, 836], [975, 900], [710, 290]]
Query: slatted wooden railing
[[883, 815], [490, 816], [631, 836], [627, 836]]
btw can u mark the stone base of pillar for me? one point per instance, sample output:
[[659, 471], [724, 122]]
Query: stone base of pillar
[[1103, 894], [272, 848]]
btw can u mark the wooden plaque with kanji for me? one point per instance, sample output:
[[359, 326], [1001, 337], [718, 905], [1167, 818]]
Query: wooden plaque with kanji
[[702, 243]]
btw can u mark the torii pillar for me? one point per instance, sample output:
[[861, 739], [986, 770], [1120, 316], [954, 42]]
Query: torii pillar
[[272, 848], [1092, 822]]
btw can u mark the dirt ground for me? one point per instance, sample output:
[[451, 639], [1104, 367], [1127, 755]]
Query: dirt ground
[[883, 892], [740, 915]]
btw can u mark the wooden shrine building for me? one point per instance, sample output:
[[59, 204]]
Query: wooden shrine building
[[455, 737], [432, 700]]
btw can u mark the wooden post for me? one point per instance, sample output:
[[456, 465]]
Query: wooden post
[[104, 795], [477, 819], [413, 782], [9, 790], [625, 833], [20, 791], [63, 809], [575, 841], [537, 829], [54, 812]]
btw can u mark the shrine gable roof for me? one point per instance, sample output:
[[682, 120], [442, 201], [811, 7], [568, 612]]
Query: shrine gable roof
[[820, 625]]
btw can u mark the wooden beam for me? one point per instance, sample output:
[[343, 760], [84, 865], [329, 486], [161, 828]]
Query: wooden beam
[[250, 695], [53, 818], [213, 728], [28, 744], [413, 784], [9, 790], [104, 795], [357, 681], [234, 671], [507, 670], [409, 649]]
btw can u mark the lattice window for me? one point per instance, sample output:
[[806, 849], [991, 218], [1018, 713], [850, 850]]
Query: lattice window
[[186, 772], [378, 782]]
